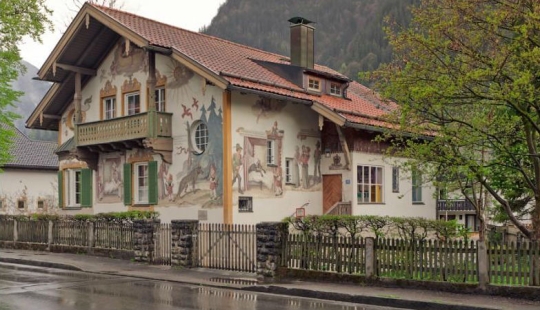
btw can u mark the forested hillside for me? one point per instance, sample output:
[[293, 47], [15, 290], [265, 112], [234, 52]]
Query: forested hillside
[[349, 34]]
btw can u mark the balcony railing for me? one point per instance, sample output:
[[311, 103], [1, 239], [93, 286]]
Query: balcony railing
[[455, 205], [138, 126]]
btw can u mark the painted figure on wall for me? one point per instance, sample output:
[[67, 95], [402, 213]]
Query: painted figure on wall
[[304, 160], [237, 162], [169, 187], [317, 166], [109, 179], [213, 182], [296, 170], [278, 181]]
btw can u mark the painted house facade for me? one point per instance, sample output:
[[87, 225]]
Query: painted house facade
[[154, 117], [28, 182]]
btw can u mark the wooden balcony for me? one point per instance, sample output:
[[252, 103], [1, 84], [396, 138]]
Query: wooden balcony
[[148, 125], [455, 205]]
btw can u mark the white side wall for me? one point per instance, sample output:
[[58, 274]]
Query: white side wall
[[28, 185]]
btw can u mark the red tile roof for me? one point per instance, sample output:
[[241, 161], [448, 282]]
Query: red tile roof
[[234, 62]]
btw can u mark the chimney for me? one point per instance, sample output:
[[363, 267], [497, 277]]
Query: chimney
[[302, 42]]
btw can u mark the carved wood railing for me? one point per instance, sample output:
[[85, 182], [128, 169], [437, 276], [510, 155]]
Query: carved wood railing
[[340, 208], [454, 205], [142, 125]]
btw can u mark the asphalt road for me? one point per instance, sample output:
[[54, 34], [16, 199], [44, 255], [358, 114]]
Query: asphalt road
[[23, 287]]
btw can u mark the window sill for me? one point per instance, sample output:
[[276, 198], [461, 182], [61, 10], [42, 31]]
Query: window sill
[[418, 203], [370, 203], [142, 205], [73, 208]]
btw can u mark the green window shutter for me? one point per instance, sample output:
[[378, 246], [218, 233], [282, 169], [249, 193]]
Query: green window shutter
[[127, 184], [152, 183], [60, 189], [86, 191]]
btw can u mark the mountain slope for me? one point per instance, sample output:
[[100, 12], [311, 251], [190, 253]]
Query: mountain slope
[[349, 34]]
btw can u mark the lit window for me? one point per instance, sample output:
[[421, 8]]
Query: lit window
[[314, 84], [160, 99], [335, 89], [416, 186], [271, 152], [133, 103], [141, 183], [109, 107], [395, 179], [73, 187], [200, 136], [370, 184]]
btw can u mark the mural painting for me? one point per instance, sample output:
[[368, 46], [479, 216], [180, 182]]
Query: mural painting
[[267, 108], [257, 164], [110, 178], [127, 59]]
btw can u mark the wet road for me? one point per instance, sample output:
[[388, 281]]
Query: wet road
[[24, 287]]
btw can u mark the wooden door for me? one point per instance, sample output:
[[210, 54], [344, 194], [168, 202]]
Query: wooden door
[[332, 191]]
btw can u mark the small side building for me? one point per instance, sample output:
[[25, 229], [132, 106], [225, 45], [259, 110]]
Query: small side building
[[28, 182]]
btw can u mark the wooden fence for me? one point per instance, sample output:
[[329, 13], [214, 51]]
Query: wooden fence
[[6, 230], [229, 247], [163, 244], [33, 231], [71, 233], [336, 254], [511, 263], [113, 235]]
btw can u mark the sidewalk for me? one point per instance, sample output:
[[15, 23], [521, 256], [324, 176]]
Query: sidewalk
[[393, 297]]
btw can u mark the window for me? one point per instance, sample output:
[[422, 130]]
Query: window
[[41, 204], [395, 179], [289, 166], [416, 186], [370, 184], [21, 203], [200, 136], [109, 108], [271, 152], [133, 103], [1, 204], [73, 187], [245, 204], [335, 89], [160, 99], [141, 183], [314, 84]]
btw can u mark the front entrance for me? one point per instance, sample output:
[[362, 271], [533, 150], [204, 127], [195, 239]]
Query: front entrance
[[332, 191]]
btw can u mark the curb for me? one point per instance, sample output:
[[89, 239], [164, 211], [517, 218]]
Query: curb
[[362, 299], [39, 263]]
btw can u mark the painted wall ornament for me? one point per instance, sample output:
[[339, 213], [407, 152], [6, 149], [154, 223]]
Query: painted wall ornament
[[128, 62], [266, 107], [110, 178]]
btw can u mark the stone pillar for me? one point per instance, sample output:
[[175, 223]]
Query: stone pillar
[[143, 240], [271, 237], [483, 265], [90, 248], [370, 257], [184, 239], [50, 236]]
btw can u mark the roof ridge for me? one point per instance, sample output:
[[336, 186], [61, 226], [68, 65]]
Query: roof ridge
[[105, 8]]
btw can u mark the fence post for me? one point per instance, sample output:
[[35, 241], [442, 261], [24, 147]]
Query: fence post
[[143, 240], [15, 231], [90, 248], [50, 236], [184, 236], [483, 265], [370, 257], [271, 237]]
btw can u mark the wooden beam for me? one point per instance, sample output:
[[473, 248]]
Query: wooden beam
[[50, 116], [344, 147], [227, 159], [76, 69]]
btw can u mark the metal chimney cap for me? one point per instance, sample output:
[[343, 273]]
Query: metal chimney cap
[[300, 20]]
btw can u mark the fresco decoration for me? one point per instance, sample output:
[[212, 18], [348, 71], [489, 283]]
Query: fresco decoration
[[252, 171], [127, 61], [306, 165], [200, 180], [336, 163], [109, 179], [267, 108]]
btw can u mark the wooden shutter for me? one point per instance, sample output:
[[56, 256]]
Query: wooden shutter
[[86, 188], [127, 184], [61, 189], [152, 183]]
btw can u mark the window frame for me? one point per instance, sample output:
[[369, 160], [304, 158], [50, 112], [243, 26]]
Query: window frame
[[71, 183], [395, 179], [271, 158], [23, 201], [199, 143], [375, 188], [136, 183], [42, 201], [129, 95], [314, 84], [289, 172], [160, 99], [106, 100], [248, 200], [335, 89], [416, 189]]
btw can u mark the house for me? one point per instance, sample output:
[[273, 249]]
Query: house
[[154, 117], [28, 181]]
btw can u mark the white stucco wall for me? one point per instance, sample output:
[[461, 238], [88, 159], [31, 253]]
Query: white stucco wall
[[31, 186]]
